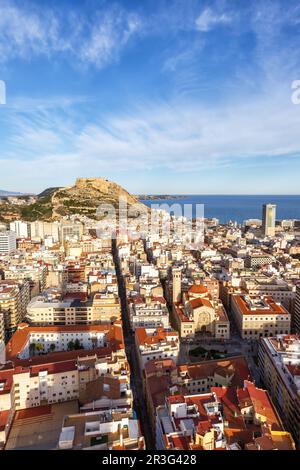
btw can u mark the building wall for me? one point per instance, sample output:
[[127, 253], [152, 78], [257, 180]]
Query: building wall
[[286, 401], [253, 326], [297, 311]]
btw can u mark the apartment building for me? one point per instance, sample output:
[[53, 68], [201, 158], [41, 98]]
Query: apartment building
[[41, 230], [106, 307], [21, 229], [258, 317], [296, 316], [279, 289], [98, 376], [14, 298], [256, 260], [106, 430], [8, 241], [35, 273], [279, 364], [71, 231], [69, 310], [75, 272], [148, 312], [224, 419], [156, 343]]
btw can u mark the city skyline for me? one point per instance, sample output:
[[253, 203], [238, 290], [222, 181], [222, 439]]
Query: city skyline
[[188, 97]]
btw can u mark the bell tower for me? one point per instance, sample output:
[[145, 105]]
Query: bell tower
[[176, 277]]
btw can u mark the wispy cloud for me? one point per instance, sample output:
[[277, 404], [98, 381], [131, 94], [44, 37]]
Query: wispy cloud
[[199, 123], [209, 19], [180, 138], [109, 35], [34, 32]]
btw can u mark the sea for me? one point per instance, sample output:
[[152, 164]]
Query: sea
[[235, 208]]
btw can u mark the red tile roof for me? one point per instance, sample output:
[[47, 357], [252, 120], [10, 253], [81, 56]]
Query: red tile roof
[[114, 334]]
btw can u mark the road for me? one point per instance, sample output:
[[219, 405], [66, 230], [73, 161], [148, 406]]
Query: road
[[136, 380]]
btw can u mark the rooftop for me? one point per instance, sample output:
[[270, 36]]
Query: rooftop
[[252, 305]]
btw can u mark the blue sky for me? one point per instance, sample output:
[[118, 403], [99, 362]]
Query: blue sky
[[161, 96]]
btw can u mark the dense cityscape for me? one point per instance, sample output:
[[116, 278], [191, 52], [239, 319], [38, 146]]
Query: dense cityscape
[[149, 232], [139, 341]]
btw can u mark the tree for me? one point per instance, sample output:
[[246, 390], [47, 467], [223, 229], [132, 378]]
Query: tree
[[77, 344], [52, 347], [39, 346], [32, 349], [71, 345]]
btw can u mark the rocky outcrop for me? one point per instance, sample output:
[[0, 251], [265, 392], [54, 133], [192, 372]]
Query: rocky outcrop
[[84, 198]]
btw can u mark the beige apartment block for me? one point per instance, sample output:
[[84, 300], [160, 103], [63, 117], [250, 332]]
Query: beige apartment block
[[14, 298], [260, 316]]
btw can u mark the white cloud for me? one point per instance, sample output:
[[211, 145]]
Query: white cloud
[[30, 32], [162, 135], [208, 20], [109, 34]]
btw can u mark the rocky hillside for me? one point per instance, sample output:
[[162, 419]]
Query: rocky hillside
[[83, 198]]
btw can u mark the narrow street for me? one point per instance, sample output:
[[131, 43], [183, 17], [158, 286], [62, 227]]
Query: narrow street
[[136, 380]]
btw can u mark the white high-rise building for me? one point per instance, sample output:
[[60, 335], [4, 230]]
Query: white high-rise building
[[268, 220], [8, 241], [20, 228]]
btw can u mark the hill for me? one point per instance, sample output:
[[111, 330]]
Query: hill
[[83, 198], [4, 193]]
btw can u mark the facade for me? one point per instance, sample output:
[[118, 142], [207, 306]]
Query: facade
[[41, 230], [21, 229], [259, 316], [8, 242], [71, 231], [70, 310], [156, 343], [280, 290], [149, 312], [297, 311], [268, 219], [98, 377], [257, 260], [106, 308], [200, 314], [14, 298], [279, 364], [35, 273]]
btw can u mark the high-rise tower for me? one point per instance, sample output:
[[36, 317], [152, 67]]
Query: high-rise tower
[[268, 220]]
